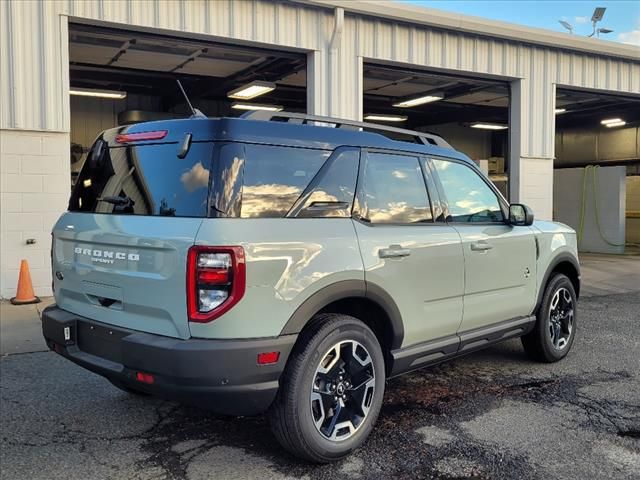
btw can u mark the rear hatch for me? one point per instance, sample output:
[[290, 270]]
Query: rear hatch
[[119, 255]]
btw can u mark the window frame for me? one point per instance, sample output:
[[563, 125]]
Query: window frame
[[431, 194], [502, 202]]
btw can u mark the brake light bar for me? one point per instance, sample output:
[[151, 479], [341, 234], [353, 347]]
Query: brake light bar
[[216, 281], [140, 136]]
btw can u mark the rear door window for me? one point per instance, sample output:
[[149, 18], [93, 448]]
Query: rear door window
[[145, 180], [275, 177], [393, 191]]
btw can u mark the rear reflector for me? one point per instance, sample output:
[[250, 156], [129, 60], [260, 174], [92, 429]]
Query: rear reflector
[[267, 358], [144, 378], [213, 276], [141, 136]]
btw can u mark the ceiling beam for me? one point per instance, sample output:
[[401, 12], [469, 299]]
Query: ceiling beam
[[189, 59], [123, 49]]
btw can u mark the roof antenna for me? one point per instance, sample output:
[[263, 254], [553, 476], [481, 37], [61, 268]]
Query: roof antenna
[[194, 111]]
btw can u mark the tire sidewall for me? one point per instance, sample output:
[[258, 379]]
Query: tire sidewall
[[321, 343], [558, 281]]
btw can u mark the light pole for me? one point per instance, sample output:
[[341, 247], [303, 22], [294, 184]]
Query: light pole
[[598, 13]]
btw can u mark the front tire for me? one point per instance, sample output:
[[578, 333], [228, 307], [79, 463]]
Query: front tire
[[331, 390], [555, 328]]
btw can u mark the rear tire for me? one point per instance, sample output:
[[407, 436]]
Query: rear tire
[[334, 355], [555, 328]]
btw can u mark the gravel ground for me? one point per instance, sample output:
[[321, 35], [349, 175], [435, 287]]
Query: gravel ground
[[492, 414]]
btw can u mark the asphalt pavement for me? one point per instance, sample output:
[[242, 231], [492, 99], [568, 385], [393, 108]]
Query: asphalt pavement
[[493, 414]]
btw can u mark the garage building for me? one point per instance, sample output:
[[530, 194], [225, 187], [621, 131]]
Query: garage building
[[528, 105]]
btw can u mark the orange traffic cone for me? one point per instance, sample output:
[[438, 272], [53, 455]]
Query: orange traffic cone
[[25, 294]]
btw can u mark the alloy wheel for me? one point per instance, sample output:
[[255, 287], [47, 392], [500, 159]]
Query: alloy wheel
[[342, 391]]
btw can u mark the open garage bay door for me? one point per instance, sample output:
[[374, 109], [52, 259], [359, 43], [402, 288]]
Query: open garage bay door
[[597, 169], [120, 76], [472, 114]]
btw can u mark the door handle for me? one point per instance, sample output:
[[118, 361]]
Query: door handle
[[394, 251], [481, 246]]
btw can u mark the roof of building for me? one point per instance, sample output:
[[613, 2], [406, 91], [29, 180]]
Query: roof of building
[[399, 12]]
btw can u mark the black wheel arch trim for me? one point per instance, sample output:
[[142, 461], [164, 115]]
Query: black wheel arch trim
[[557, 260], [342, 290]]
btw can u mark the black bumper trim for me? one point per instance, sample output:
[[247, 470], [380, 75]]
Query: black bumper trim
[[221, 375]]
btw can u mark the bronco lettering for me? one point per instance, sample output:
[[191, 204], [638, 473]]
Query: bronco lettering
[[106, 256]]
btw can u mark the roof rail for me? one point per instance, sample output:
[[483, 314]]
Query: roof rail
[[303, 118]]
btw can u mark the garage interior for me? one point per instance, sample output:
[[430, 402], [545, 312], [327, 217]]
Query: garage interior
[[119, 77], [597, 169], [472, 114]]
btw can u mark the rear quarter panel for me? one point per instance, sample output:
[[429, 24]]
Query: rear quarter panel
[[288, 259]]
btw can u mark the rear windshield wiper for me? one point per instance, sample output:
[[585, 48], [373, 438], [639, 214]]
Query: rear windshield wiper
[[119, 201]]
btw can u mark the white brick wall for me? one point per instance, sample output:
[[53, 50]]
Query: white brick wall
[[536, 186], [34, 190]]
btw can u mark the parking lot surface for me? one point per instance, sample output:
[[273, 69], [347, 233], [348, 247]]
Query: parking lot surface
[[492, 414]]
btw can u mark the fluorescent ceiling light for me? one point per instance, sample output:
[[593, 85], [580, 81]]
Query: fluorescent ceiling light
[[252, 90], [560, 110], [412, 102], [385, 118], [87, 92], [615, 124], [251, 106], [489, 126], [607, 121]]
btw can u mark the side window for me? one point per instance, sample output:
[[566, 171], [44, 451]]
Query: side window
[[469, 198], [331, 192], [393, 190], [274, 178]]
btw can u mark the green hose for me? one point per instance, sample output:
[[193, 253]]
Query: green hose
[[594, 175]]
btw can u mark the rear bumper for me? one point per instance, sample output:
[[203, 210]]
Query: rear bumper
[[221, 375]]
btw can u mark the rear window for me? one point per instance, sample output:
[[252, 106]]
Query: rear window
[[144, 180]]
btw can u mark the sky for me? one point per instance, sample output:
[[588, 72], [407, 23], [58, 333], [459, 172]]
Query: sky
[[622, 16]]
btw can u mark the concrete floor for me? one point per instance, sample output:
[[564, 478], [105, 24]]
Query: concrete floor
[[607, 274], [490, 415]]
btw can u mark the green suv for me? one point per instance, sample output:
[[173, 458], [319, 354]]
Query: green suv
[[290, 264]]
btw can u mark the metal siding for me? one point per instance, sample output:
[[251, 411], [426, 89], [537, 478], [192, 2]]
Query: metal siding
[[7, 107], [33, 62]]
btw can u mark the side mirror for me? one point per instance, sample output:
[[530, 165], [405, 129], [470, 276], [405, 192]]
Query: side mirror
[[520, 215]]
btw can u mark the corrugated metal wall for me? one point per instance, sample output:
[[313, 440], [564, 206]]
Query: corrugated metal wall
[[538, 67], [34, 52], [33, 56]]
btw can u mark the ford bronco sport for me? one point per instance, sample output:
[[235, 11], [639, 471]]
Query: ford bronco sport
[[276, 264]]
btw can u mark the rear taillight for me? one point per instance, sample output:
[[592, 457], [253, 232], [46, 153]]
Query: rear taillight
[[215, 281]]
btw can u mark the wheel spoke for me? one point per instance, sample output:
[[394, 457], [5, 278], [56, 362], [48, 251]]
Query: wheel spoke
[[555, 300], [329, 429], [561, 314]]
